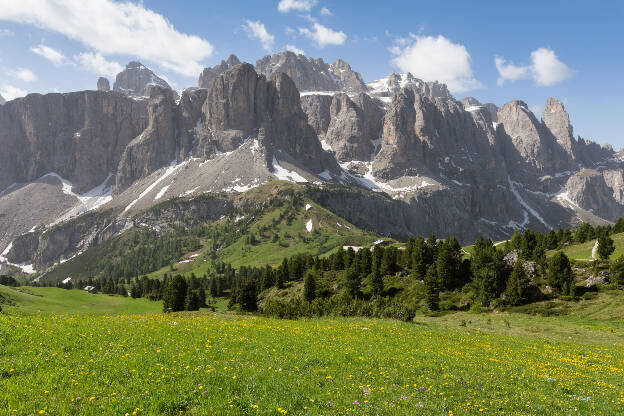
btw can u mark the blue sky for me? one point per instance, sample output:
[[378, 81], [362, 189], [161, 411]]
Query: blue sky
[[571, 50]]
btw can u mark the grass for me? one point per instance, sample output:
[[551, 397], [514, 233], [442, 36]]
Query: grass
[[584, 251], [29, 300], [213, 363]]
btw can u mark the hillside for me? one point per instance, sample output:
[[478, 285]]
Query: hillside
[[273, 221]]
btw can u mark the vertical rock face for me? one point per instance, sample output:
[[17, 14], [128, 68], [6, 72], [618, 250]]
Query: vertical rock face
[[316, 107], [530, 141], [80, 136], [136, 79], [2, 100], [208, 75], [188, 119], [557, 121], [589, 190], [155, 147], [103, 85], [354, 126], [312, 74]]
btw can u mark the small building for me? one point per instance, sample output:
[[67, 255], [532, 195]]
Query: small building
[[90, 289]]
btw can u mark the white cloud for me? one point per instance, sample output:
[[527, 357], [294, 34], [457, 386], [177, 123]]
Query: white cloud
[[114, 28], [294, 49], [6, 32], [435, 59], [98, 64], [546, 69], [24, 74], [52, 55], [10, 92], [326, 12], [257, 30], [323, 35], [286, 6], [509, 71]]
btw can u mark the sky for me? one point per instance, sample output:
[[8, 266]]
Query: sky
[[491, 50]]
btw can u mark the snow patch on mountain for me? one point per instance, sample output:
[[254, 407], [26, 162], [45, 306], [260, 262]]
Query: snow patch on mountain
[[285, 174]]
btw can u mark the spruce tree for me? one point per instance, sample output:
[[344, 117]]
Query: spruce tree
[[201, 297], [174, 296], [192, 300], [248, 296], [605, 247], [352, 282], [309, 286], [268, 278], [517, 289], [432, 291], [214, 290], [559, 275], [377, 283]]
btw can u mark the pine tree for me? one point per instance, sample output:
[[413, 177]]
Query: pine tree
[[174, 295], [268, 278], [214, 290], [282, 274], [248, 296], [559, 274], [201, 297], [605, 247], [352, 282], [517, 289], [192, 300], [377, 282], [309, 286], [432, 292]]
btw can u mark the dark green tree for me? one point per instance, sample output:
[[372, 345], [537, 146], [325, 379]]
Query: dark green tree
[[192, 300], [559, 275], [201, 297], [214, 290], [309, 286], [616, 273], [248, 296], [605, 247], [432, 291], [377, 283], [352, 282], [517, 291], [174, 295]]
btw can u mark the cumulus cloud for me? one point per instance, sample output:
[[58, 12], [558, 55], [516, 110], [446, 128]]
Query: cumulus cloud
[[435, 59], [10, 92], [110, 27], [294, 49], [24, 74], [546, 69], [98, 64], [323, 35], [326, 12], [51, 54], [509, 71], [258, 31], [286, 6]]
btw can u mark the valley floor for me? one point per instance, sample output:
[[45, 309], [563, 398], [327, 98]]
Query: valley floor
[[215, 363]]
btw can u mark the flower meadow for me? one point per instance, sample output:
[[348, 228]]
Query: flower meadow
[[216, 364]]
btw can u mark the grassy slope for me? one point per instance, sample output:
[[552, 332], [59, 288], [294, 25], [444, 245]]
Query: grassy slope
[[325, 237], [329, 232], [583, 251], [30, 300]]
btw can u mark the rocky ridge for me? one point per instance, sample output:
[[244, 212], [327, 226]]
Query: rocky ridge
[[399, 156]]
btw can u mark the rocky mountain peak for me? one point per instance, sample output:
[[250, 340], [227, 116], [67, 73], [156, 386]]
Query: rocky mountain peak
[[557, 120], [208, 75], [310, 74], [136, 79], [387, 87], [103, 84]]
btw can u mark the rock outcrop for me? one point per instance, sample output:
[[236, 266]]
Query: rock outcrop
[[208, 75], [79, 136], [354, 128], [311, 74], [589, 190], [156, 146], [103, 84], [2, 100], [136, 80]]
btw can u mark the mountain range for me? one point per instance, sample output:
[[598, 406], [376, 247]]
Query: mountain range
[[397, 156]]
